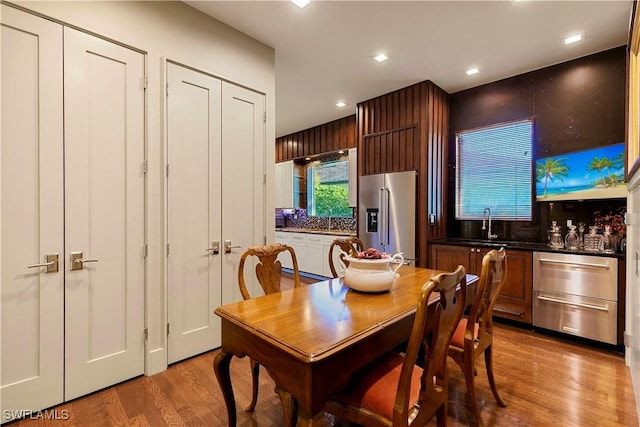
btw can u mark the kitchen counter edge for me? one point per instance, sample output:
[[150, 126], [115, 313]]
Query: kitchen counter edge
[[511, 244]]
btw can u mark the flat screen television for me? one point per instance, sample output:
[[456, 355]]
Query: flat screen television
[[597, 173]]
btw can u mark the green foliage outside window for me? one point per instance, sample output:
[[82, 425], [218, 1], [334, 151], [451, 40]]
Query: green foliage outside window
[[331, 199]]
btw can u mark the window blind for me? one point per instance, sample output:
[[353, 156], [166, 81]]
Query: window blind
[[494, 169]]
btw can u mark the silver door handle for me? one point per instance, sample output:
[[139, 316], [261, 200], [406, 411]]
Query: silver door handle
[[77, 261], [228, 247], [51, 262], [85, 260], [44, 264], [214, 249]]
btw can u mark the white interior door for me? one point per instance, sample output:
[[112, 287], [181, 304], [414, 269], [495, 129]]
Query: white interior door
[[194, 212], [32, 213], [243, 176], [104, 213]]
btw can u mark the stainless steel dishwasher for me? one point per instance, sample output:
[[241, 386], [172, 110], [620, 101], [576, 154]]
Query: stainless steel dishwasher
[[576, 294]]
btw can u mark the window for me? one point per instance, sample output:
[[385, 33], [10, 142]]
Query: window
[[328, 189], [494, 169]]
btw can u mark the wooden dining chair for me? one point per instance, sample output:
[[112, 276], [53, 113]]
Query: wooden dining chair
[[393, 390], [269, 274], [346, 244], [474, 334]]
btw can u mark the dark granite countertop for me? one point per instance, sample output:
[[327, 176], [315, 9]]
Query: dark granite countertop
[[512, 244], [316, 231]]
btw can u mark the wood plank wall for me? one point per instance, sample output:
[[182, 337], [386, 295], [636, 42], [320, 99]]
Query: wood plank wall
[[333, 136], [404, 130]]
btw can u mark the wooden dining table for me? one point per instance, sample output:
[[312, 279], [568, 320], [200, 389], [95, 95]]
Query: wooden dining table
[[311, 339]]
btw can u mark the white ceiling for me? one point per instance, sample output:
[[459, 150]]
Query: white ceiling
[[324, 51]]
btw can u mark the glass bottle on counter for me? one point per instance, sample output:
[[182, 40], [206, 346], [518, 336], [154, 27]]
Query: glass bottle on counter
[[555, 238], [592, 240], [581, 236], [571, 241], [607, 244]]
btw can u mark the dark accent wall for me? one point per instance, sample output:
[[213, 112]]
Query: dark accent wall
[[407, 130], [575, 105], [332, 136]]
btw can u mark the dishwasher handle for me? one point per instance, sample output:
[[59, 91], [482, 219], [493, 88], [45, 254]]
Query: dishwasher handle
[[573, 264], [604, 308]]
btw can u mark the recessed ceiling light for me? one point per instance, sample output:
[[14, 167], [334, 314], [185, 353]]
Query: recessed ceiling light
[[573, 39], [381, 57], [341, 104], [301, 3], [472, 71], [307, 158]]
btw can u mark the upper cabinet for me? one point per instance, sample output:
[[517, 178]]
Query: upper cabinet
[[284, 185]]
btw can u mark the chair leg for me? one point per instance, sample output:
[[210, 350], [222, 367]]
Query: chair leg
[[469, 377], [255, 373], [488, 360], [441, 414]]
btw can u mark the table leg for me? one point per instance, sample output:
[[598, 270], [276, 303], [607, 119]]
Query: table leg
[[221, 368], [292, 417], [315, 421], [289, 407]]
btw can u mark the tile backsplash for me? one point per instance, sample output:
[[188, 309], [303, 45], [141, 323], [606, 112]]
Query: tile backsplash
[[299, 219]]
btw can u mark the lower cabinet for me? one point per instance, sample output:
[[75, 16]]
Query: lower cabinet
[[312, 251], [298, 241], [316, 257], [514, 301], [284, 257]]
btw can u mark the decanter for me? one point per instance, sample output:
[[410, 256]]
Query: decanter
[[581, 235], [592, 240], [607, 244], [571, 241], [555, 238]]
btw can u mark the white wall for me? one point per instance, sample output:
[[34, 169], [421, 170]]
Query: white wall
[[174, 31], [632, 309]]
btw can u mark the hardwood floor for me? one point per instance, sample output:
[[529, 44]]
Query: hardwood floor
[[544, 381]]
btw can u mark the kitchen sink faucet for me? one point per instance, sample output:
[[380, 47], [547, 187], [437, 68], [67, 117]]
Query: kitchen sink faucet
[[487, 213]]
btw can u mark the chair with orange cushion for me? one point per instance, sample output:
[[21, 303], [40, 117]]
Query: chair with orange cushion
[[345, 244], [269, 274], [393, 390], [474, 334]]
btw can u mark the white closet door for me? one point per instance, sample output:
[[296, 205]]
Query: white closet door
[[32, 213], [243, 169], [194, 215], [104, 213]]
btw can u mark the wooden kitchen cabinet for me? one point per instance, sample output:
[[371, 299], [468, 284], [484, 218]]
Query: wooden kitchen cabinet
[[514, 301]]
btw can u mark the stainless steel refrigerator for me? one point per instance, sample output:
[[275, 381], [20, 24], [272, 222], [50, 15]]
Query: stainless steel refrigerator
[[387, 213]]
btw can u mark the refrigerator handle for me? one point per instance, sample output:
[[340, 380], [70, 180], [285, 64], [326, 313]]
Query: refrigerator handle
[[387, 216], [382, 215]]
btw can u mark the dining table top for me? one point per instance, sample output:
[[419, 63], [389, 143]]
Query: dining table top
[[315, 321]]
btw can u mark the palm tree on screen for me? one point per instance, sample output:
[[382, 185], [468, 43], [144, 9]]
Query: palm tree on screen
[[551, 169], [600, 164]]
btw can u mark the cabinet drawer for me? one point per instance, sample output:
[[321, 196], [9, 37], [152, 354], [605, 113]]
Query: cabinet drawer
[[298, 238], [282, 237], [315, 238]]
